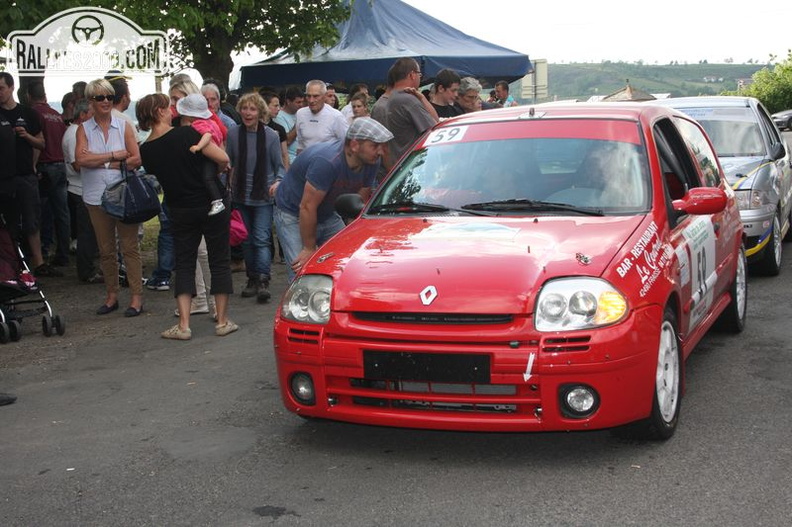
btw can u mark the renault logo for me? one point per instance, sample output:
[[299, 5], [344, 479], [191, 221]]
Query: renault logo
[[428, 295]]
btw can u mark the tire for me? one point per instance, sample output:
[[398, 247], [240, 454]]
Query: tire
[[732, 320], [789, 124], [788, 237], [667, 398], [46, 325], [59, 324], [770, 264], [16, 330], [5, 333]]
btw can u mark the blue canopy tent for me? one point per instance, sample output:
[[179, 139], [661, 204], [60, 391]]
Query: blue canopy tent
[[377, 33]]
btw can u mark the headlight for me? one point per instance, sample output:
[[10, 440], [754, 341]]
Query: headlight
[[308, 299], [753, 199], [578, 303]]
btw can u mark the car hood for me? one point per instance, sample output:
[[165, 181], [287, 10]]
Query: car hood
[[475, 265], [741, 171]]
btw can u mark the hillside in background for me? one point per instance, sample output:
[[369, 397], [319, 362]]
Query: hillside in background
[[583, 80]]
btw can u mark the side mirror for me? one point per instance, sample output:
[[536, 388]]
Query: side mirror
[[777, 151], [349, 206], [701, 200]]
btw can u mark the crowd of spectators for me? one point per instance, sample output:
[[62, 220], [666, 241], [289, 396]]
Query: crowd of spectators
[[273, 158]]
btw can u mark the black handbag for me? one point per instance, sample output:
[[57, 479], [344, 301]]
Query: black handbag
[[133, 199]]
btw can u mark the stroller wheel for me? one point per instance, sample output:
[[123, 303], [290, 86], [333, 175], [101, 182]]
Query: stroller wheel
[[60, 325], [15, 329], [46, 325], [5, 333]]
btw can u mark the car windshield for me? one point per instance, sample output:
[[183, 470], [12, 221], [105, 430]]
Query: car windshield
[[734, 132], [526, 176]]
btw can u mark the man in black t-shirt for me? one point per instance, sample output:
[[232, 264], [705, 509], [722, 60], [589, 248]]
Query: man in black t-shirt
[[7, 158], [28, 142], [444, 94]]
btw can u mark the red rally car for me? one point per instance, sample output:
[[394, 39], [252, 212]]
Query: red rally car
[[540, 268]]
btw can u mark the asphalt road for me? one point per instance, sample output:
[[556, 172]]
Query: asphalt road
[[116, 426]]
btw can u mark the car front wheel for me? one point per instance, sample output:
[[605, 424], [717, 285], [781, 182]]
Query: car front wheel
[[667, 399], [770, 264]]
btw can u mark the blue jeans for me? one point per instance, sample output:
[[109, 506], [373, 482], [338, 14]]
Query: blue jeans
[[288, 227], [257, 247], [58, 204], [166, 256]]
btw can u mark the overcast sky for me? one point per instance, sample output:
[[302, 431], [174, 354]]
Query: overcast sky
[[589, 31], [655, 32]]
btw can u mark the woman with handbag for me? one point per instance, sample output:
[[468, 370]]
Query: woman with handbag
[[166, 154], [103, 143]]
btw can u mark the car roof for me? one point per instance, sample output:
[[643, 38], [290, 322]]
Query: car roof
[[715, 101], [600, 110]]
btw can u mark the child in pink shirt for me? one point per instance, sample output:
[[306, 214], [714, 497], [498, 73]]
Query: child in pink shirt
[[194, 110]]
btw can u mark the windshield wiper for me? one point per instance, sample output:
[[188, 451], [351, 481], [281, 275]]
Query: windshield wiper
[[407, 207], [533, 205]]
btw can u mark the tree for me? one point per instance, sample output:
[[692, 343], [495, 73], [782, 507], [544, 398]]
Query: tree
[[771, 86], [206, 32]]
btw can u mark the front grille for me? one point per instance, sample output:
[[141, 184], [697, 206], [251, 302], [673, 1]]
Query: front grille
[[554, 345], [438, 397], [433, 318], [302, 336]]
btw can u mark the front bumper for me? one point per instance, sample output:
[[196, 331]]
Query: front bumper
[[618, 362], [758, 227]]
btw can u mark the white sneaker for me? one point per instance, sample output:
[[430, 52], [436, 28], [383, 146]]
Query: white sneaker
[[217, 207]]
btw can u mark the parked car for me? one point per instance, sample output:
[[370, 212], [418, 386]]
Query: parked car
[[783, 120], [757, 165], [524, 269]]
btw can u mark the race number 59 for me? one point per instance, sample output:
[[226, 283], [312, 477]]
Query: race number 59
[[446, 135]]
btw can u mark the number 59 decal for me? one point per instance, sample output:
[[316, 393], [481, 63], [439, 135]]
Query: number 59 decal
[[446, 135]]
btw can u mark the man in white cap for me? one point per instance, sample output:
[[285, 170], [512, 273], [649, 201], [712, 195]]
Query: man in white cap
[[304, 200], [121, 98]]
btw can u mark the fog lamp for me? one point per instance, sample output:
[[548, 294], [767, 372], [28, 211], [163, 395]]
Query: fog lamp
[[578, 400], [302, 388]]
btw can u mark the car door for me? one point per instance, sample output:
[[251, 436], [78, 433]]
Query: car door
[[782, 172], [688, 161]]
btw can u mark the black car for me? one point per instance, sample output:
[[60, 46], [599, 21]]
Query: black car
[[783, 120]]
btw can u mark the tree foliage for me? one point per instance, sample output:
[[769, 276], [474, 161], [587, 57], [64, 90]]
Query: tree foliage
[[772, 86], [206, 32]]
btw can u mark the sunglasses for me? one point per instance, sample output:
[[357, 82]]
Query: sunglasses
[[101, 98]]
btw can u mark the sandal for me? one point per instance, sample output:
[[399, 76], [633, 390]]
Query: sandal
[[221, 330], [177, 333]]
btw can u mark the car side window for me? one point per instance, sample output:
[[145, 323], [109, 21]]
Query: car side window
[[768, 125], [678, 168], [704, 155]]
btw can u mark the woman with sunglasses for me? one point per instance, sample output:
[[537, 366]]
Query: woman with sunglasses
[[102, 143]]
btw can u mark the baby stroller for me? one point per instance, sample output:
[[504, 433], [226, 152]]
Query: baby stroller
[[17, 283]]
